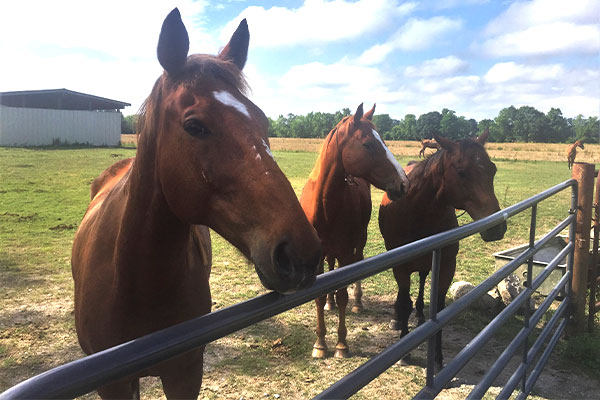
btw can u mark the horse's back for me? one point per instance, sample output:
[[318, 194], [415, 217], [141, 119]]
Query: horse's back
[[405, 220], [110, 176]]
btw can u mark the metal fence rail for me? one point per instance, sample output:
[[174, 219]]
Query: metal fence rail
[[84, 375]]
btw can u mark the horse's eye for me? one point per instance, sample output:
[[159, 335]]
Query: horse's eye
[[369, 145], [462, 173], [195, 127]]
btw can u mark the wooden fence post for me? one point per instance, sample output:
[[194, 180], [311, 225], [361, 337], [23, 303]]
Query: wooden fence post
[[584, 174], [592, 308]]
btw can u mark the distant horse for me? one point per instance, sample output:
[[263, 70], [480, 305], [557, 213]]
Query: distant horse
[[572, 152], [337, 201], [142, 255], [428, 143], [460, 175]]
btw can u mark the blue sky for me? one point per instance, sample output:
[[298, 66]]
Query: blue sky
[[472, 56]]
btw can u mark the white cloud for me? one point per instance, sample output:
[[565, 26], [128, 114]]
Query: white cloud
[[511, 72], [111, 28], [522, 15], [375, 54], [347, 83], [318, 21], [419, 34], [103, 48], [545, 27], [415, 35], [549, 39], [445, 66]]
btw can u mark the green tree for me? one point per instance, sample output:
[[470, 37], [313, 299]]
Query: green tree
[[384, 123], [428, 125], [559, 129], [505, 125], [531, 125], [587, 129], [129, 124]]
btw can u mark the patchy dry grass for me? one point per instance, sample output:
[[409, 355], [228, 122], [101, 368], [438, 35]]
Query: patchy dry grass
[[498, 151], [44, 193]]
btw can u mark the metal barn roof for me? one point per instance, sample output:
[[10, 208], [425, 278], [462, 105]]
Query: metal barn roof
[[59, 99]]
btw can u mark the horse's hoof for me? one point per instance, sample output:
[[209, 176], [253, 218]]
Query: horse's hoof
[[406, 360], [319, 353], [420, 321], [341, 352], [329, 306], [357, 308], [394, 325], [439, 366]]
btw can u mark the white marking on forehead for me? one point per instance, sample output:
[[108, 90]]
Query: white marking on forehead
[[229, 100], [268, 149], [391, 157]]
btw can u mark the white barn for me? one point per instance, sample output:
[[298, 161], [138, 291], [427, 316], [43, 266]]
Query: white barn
[[59, 116]]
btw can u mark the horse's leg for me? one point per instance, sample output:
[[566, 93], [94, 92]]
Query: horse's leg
[[420, 304], [183, 381], [320, 347], [330, 304], [341, 348], [129, 389], [357, 292], [341, 298], [447, 269], [403, 306]]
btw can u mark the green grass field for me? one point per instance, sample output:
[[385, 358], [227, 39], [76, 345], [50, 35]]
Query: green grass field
[[43, 196]]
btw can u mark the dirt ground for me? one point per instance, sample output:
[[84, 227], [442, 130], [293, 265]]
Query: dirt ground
[[271, 367]]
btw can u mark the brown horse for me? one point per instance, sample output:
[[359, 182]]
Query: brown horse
[[572, 152], [142, 254], [337, 201], [428, 143], [460, 175]]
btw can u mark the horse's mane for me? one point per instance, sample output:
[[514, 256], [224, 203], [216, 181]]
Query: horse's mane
[[318, 165], [433, 163], [198, 67]]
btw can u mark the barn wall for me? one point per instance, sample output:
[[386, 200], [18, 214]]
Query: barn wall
[[39, 127]]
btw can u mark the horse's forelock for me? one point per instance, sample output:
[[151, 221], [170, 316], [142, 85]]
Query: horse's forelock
[[198, 67]]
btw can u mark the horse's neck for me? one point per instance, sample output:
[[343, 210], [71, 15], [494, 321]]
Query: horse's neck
[[328, 180], [149, 229], [425, 188]]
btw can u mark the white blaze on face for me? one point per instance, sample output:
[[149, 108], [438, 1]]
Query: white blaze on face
[[229, 100], [391, 157]]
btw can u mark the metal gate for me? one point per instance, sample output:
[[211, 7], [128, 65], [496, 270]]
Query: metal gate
[[84, 375]]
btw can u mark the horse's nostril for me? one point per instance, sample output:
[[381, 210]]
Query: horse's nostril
[[282, 259]]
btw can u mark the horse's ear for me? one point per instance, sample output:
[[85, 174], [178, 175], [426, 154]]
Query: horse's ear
[[236, 50], [358, 114], [173, 43], [481, 139], [369, 114], [446, 144]]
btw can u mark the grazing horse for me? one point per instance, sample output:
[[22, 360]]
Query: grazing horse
[[428, 143], [142, 254], [460, 175], [337, 201], [572, 152]]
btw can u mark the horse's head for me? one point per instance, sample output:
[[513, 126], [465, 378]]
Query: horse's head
[[213, 161], [365, 155], [579, 143], [468, 180]]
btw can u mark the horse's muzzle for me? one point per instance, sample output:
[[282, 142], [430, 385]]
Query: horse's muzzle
[[494, 233], [290, 273]]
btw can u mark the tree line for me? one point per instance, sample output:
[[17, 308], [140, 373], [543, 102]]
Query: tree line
[[523, 124]]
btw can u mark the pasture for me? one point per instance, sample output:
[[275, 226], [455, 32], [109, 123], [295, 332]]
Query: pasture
[[44, 193]]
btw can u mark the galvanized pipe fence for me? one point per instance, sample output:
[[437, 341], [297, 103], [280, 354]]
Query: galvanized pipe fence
[[86, 374]]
